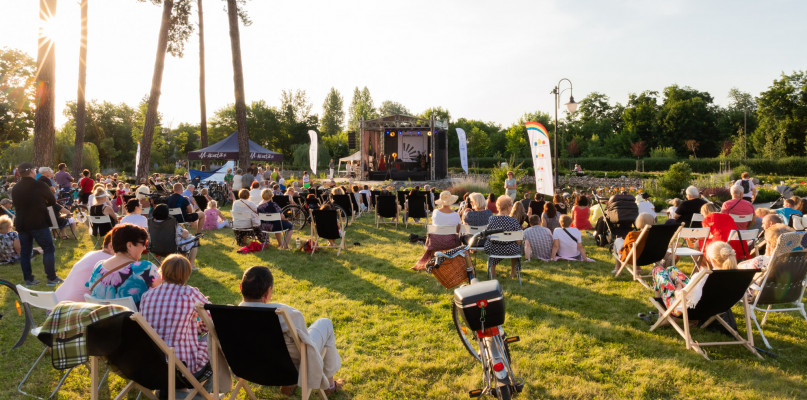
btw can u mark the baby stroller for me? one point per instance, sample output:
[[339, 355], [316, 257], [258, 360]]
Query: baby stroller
[[618, 216]]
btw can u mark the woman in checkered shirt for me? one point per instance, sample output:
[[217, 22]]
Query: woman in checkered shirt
[[169, 309]]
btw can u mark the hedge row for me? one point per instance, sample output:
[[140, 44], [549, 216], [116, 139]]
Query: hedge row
[[784, 166]]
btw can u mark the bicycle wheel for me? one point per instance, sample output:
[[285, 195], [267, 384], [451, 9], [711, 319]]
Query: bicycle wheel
[[14, 321], [296, 215], [465, 333], [342, 216], [503, 391], [80, 213]]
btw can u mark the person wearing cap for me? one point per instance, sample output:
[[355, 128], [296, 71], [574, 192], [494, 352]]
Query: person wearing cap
[[31, 200]]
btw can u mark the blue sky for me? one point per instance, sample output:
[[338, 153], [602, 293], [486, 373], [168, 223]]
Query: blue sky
[[484, 60]]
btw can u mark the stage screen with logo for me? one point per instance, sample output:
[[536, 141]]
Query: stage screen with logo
[[410, 146]]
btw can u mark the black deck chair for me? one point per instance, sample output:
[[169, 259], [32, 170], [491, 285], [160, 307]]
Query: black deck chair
[[783, 286], [386, 206], [657, 240], [722, 290], [201, 201], [136, 353], [354, 200], [325, 225], [366, 201], [373, 195], [343, 201], [281, 201], [416, 208], [402, 199], [249, 338]]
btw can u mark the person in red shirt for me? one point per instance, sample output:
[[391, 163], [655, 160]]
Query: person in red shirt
[[721, 226], [739, 206], [85, 184]]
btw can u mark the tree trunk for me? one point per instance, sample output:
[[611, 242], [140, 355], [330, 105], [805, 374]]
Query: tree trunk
[[238, 80], [154, 96], [202, 99], [45, 116], [81, 107]]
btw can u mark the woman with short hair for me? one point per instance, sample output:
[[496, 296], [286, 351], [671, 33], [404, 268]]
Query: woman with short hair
[[9, 241], [580, 213], [549, 219], [503, 221], [171, 310], [270, 207], [124, 274], [567, 242]]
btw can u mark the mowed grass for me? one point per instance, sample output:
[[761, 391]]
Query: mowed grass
[[580, 337]]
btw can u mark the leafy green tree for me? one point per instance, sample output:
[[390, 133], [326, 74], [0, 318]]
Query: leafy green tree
[[688, 115], [675, 179], [361, 107], [517, 145], [110, 127], [17, 95], [336, 145], [389, 107], [782, 116], [640, 118], [440, 114], [333, 113], [478, 133]]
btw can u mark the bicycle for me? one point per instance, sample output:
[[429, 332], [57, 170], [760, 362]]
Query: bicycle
[[298, 211], [477, 311], [69, 201], [14, 312]]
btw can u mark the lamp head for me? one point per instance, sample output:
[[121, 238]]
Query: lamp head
[[571, 105]]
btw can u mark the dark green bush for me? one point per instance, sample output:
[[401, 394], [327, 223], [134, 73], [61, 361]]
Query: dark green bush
[[676, 179], [766, 195]]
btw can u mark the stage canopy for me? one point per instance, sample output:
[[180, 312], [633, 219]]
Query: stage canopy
[[227, 149], [410, 148]]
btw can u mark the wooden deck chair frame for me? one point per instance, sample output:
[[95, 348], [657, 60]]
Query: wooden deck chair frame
[[686, 234], [273, 217], [341, 203], [509, 236], [174, 364], [633, 261], [778, 288], [681, 296], [98, 219], [315, 235], [243, 384], [407, 206], [45, 301], [382, 220]]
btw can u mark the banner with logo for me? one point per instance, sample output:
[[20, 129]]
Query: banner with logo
[[463, 149], [541, 157], [312, 152]]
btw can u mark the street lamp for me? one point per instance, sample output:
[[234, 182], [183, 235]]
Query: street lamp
[[571, 106]]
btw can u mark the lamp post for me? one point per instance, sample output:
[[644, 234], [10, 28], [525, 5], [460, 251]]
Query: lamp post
[[571, 106]]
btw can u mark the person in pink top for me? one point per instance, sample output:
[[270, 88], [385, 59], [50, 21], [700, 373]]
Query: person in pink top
[[74, 287], [739, 206], [214, 219], [580, 213]]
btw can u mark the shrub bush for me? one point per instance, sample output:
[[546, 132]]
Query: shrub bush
[[676, 179], [766, 195], [498, 175], [736, 172]]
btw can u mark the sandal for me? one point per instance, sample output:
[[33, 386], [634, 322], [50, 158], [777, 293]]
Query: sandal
[[337, 387], [645, 317]]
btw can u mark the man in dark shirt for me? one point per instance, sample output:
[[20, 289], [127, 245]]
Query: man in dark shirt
[[692, 205], [31, 200], [177, 200]]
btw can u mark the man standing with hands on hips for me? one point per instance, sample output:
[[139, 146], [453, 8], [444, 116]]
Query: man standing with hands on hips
[[32, 199]]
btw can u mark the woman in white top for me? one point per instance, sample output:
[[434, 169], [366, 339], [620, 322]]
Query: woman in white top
[[443, 216], [567, 242], [247, 216], [255, 193], [237, 181]]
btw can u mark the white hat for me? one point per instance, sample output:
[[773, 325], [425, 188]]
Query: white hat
[[446, 198]]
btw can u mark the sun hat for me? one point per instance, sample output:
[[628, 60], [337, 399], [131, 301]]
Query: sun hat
[[446, 198]]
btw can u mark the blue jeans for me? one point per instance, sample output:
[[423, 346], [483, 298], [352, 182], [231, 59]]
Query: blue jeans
[[45, 240]]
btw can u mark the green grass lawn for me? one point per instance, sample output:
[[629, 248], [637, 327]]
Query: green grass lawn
[[580, 337]]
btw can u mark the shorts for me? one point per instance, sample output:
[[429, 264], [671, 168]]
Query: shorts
[[191, 217]]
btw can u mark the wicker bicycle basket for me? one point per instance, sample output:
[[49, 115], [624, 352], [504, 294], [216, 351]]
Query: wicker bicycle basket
[[450, 272]]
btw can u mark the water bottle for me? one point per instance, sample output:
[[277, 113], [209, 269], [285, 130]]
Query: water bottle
[[298, 244]]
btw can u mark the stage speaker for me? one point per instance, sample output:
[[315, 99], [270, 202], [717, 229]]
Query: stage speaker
[[441, 140], [351, 140]]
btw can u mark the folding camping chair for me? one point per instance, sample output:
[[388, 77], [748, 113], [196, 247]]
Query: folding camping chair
[[45, 301], [127, 301], [416, 208], [722, 290], [325, 225], [98, 220], [697, 220], [270, 218], [386, 206], [511, 236], [742, 219], [257, 353], [688, 235], [144, 360], [344, 202], [798, 222], [657, 239], [241, 224], [473, 230], [782, 285]]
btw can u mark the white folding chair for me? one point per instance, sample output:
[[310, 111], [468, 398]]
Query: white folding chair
[[742, 219], [270, 218], [176, 213], [473, 230], [697, 217], [510, 236], [145, 211], [746, 236], [798, 222], [242, 222], [690, 234], [98, 219], [45, 301], [127, 301], [442, 230]]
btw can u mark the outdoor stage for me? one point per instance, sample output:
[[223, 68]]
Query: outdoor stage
[[401, 147]]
